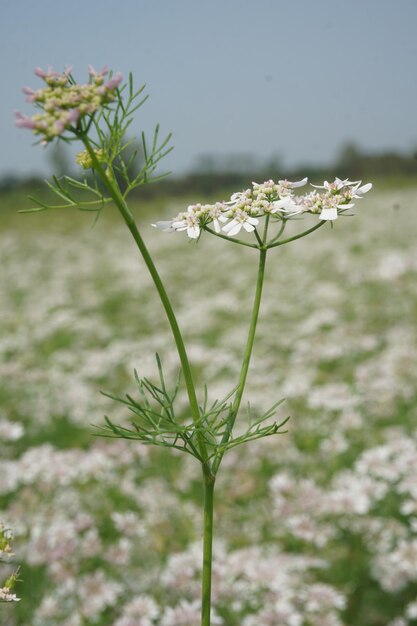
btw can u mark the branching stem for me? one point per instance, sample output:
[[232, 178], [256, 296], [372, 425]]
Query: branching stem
[[120, 203]]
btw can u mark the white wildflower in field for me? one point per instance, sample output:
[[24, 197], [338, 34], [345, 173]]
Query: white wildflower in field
[[142, 611], [7, 596], [10, 431], [185, 613]]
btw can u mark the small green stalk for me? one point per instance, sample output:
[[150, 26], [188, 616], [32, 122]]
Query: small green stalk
[[273, 243], [246, 357], [209, 482]]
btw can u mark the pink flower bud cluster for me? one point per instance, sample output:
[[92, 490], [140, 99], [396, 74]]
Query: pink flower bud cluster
[[62, 103]]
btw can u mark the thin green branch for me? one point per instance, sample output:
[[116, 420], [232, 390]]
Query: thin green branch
[[232, 239], [303, 234], [246, 359], [280, 231]]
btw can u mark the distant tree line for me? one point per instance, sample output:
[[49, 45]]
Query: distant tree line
[[214, 174]]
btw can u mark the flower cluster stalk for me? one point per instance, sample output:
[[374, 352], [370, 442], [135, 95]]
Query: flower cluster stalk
[[246, 357]]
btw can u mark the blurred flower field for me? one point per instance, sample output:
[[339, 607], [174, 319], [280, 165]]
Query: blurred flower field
[[318, 526]]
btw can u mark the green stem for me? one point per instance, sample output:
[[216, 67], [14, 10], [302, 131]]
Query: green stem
[[207, 549], [303, 234], [227, 238], [279, 233], [246, 358], [131, 224]]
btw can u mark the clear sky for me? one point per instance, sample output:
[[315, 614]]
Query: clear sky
[[294, 78]]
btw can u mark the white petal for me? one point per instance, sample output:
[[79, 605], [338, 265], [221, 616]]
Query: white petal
[[288, 205], [281, 205], [248, 227], [252, 220], [234, 228], [179, 225], [235, 198], [294, 208], [193, 231], [328, 214], [230, 225], [364, 188], [165, 225], [298, 183], [216, 225], [345, 206]]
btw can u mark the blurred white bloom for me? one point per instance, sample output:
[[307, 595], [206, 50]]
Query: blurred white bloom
[[185, 614], [141, 611], [411, 610], [7, 596], [10, 431], [96, 592]]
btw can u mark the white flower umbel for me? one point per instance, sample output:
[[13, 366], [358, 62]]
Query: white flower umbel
[[276, 201], [336, 198]]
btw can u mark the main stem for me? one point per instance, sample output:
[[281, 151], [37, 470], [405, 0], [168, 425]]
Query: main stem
[[115, 194], [207, 549]]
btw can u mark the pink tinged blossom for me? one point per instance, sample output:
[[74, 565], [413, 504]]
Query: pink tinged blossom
[[73, 115], [22, 121], [114, 82], [40, 72], [46, 75], [103, 72], [29, 93]]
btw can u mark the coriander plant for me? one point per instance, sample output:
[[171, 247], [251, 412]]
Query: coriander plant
[[97, 115]]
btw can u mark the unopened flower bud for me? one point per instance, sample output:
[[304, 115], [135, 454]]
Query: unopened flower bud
[[84, 159]]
